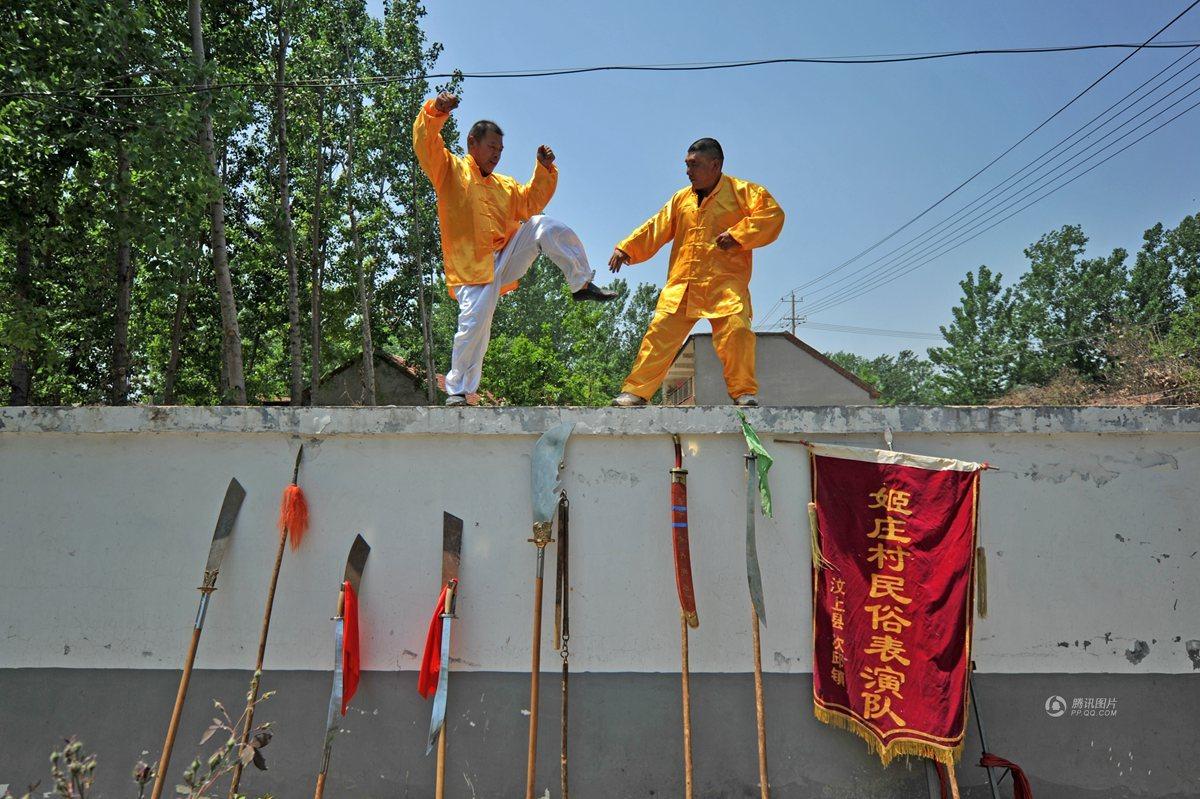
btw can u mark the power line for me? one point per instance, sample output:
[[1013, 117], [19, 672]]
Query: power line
[[1146, 44], [164, 90], [872, 331], [923, 240], [1033, 162], [1019, 210]]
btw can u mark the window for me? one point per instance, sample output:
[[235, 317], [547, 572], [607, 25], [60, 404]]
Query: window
[[682, 392]]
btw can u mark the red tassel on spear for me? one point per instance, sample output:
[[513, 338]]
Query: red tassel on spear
[[293, 524], [293, 512]]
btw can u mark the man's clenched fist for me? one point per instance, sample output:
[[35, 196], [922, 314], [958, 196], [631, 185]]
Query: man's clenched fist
[[728, 242], [545, 156], [446, 102], [619, 258]]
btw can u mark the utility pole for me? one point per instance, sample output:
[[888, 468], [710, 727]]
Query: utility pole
[[793, 319]]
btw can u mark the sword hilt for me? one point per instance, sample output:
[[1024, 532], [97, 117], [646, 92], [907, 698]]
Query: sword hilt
[[451, 604], [542, 532]]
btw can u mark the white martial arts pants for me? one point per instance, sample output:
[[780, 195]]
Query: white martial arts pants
[[477, 303]]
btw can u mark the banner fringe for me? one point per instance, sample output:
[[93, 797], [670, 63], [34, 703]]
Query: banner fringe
[[888, 753]]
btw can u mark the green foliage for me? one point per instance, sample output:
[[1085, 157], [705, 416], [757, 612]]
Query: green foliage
[[1065, 305], [58, 189], [903, 379], [976, 363]]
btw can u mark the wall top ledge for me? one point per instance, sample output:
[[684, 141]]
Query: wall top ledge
[[655, 420]]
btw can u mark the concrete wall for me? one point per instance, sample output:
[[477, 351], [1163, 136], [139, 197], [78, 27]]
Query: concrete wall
[[1088, 520], [787, 376]]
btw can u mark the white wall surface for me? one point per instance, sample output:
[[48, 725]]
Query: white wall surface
[[1091, 534]]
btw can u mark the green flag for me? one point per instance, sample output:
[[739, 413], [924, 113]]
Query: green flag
[[764, 462]]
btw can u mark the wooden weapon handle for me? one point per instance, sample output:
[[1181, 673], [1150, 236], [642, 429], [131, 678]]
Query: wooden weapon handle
[[535, 669], [687, 707], [440, 784], [164, 761], [252, 696], [440, 778], [760, 711], [320, 786]]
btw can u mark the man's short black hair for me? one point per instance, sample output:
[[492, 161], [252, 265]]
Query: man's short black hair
[[709, 147], [485, 126]]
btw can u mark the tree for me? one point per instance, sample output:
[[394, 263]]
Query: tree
[[979, 358], [1152, 293], [234, 382], [906, 379], [1065, 305]]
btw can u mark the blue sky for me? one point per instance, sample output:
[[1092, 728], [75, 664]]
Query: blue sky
[[850, 152]]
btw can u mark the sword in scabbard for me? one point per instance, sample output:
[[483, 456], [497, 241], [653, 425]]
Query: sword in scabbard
[[355, 564], [687, 598], [234, 495], [562, 627], [546, 463]]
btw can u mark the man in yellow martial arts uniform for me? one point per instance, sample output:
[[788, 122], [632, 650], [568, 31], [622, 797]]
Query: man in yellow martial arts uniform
[[492, 230], [712, 226]]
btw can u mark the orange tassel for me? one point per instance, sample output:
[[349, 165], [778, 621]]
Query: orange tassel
[[293, 514]]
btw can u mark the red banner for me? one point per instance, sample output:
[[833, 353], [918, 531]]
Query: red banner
[[894, 541]]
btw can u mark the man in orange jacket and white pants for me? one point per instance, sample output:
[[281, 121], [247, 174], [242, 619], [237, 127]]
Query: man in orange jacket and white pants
[[712, 225], [492, 230]]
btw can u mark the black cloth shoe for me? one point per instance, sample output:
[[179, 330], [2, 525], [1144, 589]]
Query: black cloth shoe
[[594, 293]]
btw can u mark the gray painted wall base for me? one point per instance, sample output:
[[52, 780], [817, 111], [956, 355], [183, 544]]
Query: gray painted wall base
[[625, 736]]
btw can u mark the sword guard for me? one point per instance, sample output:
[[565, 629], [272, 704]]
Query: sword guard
[[210, 581], [542, 532]]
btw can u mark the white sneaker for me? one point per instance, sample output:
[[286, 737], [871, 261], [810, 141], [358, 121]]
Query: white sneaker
[[627, 400], [455, 400]]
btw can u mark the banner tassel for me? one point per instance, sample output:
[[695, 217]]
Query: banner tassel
[[818, 558], [981, 582]]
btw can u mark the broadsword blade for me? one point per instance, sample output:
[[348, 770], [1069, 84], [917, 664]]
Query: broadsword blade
[[753, 575], [438, 718], [357, 561], [544, 465], [335, 696], [452, 531], [234, 495]]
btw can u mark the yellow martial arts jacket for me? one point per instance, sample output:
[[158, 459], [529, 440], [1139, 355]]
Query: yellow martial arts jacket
[[478, 215], [715, 282]]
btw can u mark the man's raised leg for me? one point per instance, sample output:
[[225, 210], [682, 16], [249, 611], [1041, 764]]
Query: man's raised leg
[[562, 246]]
